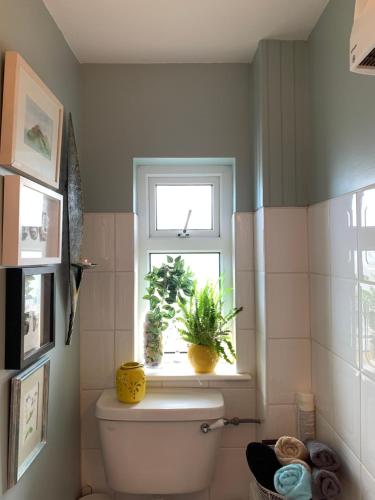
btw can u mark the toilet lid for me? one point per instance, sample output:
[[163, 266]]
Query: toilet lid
[[163, 405]]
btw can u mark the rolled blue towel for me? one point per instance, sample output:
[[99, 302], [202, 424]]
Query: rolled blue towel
[[293, 482], [322, 456], [325, 485]]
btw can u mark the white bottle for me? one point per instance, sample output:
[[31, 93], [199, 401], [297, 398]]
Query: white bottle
[[305, 416]]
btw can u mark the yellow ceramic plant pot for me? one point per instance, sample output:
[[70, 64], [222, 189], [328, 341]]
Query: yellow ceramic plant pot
[[203, 358], [130, 383]]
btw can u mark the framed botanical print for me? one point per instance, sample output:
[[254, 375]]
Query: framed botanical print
[[29, 315], [32, 223], [31, 124], [28, 418]]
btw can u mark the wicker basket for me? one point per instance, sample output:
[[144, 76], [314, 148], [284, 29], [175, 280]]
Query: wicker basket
[[258, 492]]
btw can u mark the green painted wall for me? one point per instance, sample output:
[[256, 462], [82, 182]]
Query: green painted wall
[[26, 26], [161, 110], [343, 110], [281, 123]]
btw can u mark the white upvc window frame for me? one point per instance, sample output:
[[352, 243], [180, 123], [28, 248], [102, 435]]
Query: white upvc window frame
[[192, 180], [147, 172]]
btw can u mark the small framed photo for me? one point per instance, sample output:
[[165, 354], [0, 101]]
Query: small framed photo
[[32, 223], [28, 418], [31, 125], [29, 315]]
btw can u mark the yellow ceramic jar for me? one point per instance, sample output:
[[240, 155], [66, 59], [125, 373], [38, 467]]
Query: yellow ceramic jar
[[203, 358], [130, 383]]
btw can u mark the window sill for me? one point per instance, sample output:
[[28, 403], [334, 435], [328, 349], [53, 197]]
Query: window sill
[[186, 373]]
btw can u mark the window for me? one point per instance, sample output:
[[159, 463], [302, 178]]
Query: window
[[195, 200], [184, 208]]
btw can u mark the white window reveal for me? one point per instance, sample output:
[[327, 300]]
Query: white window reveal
[[184, 209]]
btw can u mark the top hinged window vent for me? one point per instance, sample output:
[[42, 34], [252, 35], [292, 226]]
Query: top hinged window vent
[[184, 207]]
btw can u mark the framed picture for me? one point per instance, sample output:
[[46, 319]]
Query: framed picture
[[31, 124], [32, 223], [28, 418], [29, 315]]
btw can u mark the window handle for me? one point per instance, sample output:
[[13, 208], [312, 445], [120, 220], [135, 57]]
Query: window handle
[[184, 233]]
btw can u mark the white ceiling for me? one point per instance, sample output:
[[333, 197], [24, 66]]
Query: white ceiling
[[152, 31]]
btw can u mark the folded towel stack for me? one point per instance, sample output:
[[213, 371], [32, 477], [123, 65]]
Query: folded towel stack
[[294, 482], [325, 483], [286, 469]]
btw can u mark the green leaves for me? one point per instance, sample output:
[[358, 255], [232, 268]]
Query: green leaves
[[167, 284], [203, 321], [172, 288]]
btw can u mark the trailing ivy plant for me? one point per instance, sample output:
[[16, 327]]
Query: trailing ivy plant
[[168, 285], [204, 322]]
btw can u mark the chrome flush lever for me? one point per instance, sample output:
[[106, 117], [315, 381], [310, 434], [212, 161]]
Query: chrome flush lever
[[223, 422], [184, 233]]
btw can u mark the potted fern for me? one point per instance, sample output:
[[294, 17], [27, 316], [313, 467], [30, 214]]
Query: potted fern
[[168, 284], [204, 326]]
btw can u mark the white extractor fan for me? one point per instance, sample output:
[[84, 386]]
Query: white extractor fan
[[362, 40]]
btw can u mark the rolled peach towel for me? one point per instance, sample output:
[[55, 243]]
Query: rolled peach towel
[[290, 448], [301, 462]]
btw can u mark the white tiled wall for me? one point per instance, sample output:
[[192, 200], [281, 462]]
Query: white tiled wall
[[282, 309], [314, 271], [342, 284], [107, 318]]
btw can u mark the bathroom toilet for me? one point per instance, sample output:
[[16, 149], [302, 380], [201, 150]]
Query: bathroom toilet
[[157, 446]]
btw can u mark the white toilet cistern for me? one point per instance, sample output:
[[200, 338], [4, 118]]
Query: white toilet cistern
[[148, 447]]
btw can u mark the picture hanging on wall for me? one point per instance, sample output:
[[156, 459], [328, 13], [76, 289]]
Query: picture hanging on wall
[[28, 418], [32, 223], [29, 316], [31, 124]]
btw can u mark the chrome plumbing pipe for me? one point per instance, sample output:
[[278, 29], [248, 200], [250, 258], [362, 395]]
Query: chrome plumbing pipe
[[223, 422]]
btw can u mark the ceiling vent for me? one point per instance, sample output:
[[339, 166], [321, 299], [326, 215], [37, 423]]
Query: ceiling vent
[[362, 40]]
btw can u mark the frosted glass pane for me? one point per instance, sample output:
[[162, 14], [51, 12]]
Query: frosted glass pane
[[205, 266], [174, 202]]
